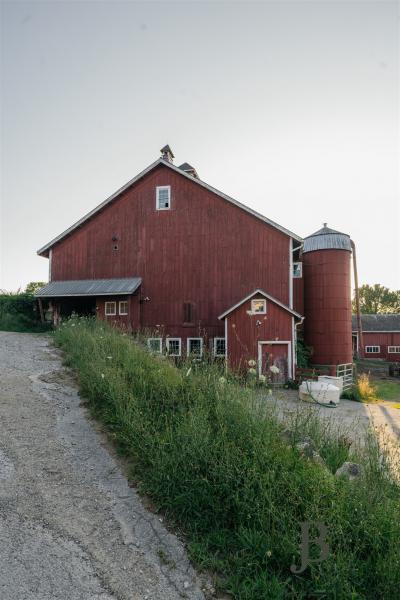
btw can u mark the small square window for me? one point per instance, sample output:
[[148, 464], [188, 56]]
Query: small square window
[[219, 346], [195, 346], [155, 345], [372, 349], [173, 346], [123, 307], [259, 306], [110, 309], [163, 197], [297, 270]]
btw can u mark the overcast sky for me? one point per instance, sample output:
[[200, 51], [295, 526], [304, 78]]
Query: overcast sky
[[290, 107]]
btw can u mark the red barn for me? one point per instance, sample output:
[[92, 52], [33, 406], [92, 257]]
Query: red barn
[[381, 336], [172, 256]]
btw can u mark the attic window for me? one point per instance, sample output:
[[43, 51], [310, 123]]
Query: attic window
[[163, 197], [259, 306], [297, 270]]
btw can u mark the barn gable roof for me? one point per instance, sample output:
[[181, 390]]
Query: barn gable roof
[[371, 323], [262, 293], [161, 161]]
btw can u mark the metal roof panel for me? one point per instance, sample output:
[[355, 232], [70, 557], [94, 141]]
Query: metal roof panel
[[90, 287]]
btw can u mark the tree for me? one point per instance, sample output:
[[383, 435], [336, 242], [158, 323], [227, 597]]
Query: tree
[[377, 299], [33, 286]]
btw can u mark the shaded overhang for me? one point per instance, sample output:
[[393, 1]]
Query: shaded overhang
[[90, 287]]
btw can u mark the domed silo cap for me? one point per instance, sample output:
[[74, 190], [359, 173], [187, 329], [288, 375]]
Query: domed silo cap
[[327, 239]]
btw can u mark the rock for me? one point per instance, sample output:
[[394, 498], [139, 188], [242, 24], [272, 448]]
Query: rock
[[349, 470], [317, 458], [306, 447], [287, 436]]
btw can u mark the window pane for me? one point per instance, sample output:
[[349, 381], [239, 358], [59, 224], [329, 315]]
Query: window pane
[[258, 306], [195, 347]]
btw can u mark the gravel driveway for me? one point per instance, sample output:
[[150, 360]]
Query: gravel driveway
[[71, 527]]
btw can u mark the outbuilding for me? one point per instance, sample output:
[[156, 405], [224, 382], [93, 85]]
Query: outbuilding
[[381, 337]]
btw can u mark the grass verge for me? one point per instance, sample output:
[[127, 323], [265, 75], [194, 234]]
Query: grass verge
[[218, 467]]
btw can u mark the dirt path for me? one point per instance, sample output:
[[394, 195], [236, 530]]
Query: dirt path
[[70, 525]]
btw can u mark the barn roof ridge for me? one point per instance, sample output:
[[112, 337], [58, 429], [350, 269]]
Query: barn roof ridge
[[271, 298], [161, 161]]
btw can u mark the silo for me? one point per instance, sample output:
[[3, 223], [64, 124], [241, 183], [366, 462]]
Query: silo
[[327, 296]]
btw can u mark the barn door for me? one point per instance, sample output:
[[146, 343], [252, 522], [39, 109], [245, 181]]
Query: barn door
[[276, 355]]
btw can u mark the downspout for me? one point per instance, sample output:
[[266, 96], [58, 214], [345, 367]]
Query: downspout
[[296, 325], [359, 352]]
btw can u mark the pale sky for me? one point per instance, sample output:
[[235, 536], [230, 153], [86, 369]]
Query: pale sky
[[290, 107]]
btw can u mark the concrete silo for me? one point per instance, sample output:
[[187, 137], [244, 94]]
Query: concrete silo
[[327, 296]]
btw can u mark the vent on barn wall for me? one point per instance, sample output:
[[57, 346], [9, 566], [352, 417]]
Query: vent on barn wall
[[189, 170], [188, 312]]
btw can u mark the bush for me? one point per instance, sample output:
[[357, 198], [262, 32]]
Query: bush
[[214, 461], [18, 313]]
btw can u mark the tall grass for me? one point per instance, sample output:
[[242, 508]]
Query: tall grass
[[217, 466]]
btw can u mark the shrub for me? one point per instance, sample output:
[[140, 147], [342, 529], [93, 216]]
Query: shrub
[[366, 390], [18, 313], [212, 458]]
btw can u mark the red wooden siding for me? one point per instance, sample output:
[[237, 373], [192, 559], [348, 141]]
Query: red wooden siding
[[244, 333], [204, 250], [382, 339], [327, 305], [298, 295], [129, 322]]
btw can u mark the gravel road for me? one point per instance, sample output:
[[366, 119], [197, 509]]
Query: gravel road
[[71, 527]]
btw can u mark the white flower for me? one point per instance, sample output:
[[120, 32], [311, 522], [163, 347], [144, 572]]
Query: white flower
[[252, 363], [73, 325], [222, 380], [102, 375], [270, 392], [252, 371], [274, 369], [262, 378], [269, 553]]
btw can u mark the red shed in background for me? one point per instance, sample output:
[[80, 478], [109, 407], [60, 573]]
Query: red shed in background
[[381, 337]]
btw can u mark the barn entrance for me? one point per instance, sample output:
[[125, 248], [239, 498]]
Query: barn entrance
[[274, 354], [84, 306]]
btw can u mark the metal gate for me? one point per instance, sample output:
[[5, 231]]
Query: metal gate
[[346, 372]]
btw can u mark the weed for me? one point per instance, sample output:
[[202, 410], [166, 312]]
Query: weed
[[214, 461]]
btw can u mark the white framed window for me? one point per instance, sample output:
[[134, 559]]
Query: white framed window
[[123, 307], [195, 346], [372, 349], [259, 306], [297, 270], [155, 345], [219, 346], [174, 346], [394, 349], [110, 309], [163, 197]]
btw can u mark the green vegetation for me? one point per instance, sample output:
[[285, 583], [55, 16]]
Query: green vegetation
[[214, 461], [375, 299], [18, 311], [367, 391], [388, 390]]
